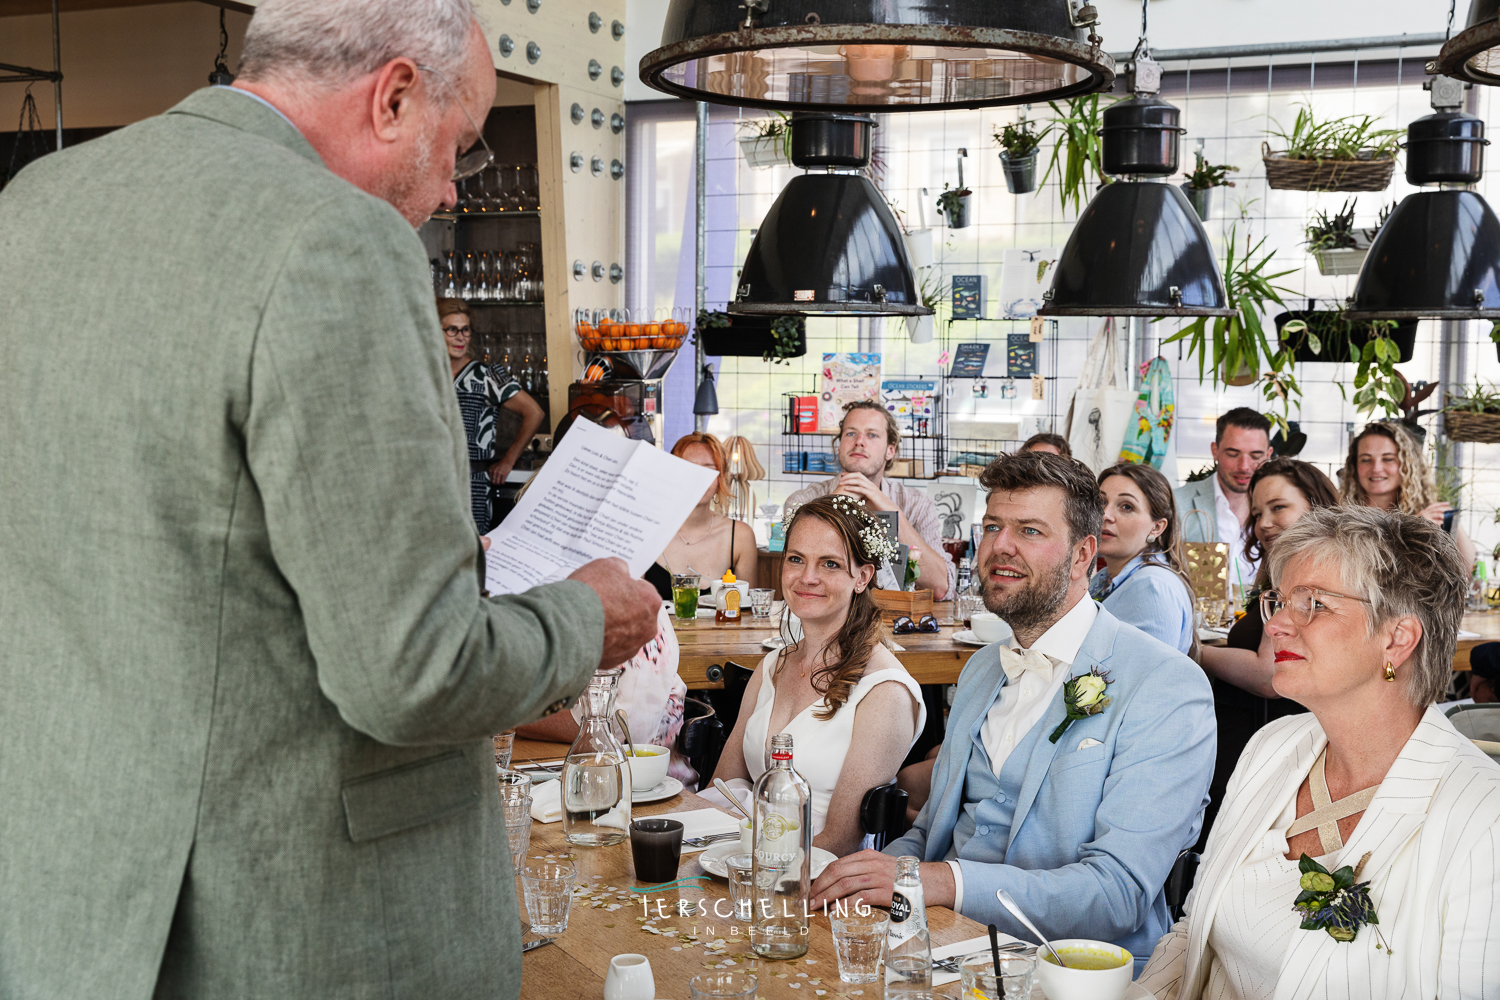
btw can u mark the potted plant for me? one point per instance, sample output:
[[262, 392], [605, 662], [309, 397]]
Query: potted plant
[[1338, 247], [1474, 415], [1201, 181], [772, 338], [954, 204], [1340, 154], [1329, 335], [768, 142], [930, 288], [1078, 151], [1234, 345], [1019, 145]]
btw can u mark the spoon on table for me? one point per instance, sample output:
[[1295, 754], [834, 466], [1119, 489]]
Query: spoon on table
[[728, 793], [625, 725], [1015, 911]]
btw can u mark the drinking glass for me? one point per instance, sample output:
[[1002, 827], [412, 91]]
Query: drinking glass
[[724, 985], [449, 276], [483, 285], [966, 606], [510, 174], [504, 745], [685, 596], [859, 943], [530, 198], [466, 277], [1017, 966], [549, 895], [515, 797], [494, 197], [761, 600], [741, 868]]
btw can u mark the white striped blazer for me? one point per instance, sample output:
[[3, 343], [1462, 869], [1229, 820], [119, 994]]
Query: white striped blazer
[[1433, 833]]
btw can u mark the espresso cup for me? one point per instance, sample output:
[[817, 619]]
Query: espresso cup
[[656, 848]]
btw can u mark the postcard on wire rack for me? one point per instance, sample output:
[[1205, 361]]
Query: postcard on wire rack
[[599, 495], [1025, 275], [847, 378], [968, 361]]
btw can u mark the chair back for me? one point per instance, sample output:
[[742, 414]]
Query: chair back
[[1490, 748], [1180, 882], [882, 813], [1477, 722], [701, 738]]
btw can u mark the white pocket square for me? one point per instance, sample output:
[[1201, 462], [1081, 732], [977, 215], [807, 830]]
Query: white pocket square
[[1086, 743]]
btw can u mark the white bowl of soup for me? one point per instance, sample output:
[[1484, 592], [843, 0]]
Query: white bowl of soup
[[1097, 970], [648, 766]]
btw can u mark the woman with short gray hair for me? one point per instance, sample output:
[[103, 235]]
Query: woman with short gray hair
[[1356, 852]]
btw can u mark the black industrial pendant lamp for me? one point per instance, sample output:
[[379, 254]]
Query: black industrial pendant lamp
[[1438, 255], [878, 55], [1474, 53], [829, 245], [1138, 248]]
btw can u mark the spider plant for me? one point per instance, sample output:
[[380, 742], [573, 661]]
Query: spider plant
[[1336, 138], [1078, 151]]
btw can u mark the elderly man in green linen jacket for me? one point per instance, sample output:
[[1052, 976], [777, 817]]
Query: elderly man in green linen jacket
[[247, 675]]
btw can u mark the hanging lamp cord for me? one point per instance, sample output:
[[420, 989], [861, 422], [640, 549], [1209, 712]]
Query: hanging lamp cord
[[1145, 8], [221, 61]]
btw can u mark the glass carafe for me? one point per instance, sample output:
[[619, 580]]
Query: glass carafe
[[596, 775]]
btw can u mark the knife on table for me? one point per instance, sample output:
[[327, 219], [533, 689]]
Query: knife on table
[[529, 945]]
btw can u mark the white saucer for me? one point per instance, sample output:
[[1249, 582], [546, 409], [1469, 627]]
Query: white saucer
[[968, 638], [665, 790], [774, 642], [711, 860]]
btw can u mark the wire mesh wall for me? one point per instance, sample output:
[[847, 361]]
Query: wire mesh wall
[[1227, 108]]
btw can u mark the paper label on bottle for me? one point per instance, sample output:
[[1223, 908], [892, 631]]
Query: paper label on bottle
[[900, 908]]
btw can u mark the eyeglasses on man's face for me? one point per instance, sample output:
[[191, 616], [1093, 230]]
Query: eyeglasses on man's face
[[1300, 603], [476, 160]]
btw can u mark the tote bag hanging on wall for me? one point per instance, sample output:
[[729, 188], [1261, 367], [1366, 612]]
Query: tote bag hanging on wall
[[1102, 404]]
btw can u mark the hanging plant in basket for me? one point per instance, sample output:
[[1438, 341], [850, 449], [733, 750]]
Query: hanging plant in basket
[[954, 204], [1019, 148], [1201, 181], [1339, 154], [1329, 335], [770, 338], [1334, 242], [1474, 415]]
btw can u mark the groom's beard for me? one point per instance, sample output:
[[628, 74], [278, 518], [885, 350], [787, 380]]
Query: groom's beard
[[1034, 608]]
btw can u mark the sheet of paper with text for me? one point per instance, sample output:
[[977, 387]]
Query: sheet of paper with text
[[598, 495]]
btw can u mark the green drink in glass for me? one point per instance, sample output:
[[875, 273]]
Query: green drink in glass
[[685, 596]]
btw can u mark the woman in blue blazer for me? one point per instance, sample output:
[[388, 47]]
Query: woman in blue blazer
[[1144, 581]]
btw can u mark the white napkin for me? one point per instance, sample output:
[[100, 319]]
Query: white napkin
[[1466, 634], [702, 823], [546, 802], [962, 949]]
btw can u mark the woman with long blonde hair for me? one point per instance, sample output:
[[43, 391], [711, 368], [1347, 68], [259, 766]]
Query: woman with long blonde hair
[[1386, 470], [710, 541]]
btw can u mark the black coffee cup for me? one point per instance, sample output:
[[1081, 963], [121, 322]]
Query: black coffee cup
[[656, 847]]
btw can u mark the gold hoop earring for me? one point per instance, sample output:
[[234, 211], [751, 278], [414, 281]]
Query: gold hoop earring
[[1390, 671]]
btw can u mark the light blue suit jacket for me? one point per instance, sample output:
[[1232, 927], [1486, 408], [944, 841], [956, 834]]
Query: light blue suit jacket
[[1096, 830], [1196, 512]]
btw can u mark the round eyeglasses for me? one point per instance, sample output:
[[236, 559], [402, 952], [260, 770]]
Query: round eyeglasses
[[1300, 603]]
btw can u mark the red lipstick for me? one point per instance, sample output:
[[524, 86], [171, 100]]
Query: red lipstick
[[1284, 656]]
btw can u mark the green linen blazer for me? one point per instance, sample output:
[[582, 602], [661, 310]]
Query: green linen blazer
[[247, 675]]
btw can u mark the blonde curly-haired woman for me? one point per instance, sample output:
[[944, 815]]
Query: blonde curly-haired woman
[[1386, 470]]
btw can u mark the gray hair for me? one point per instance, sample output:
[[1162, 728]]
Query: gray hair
[[1403, 565], [330, 42]]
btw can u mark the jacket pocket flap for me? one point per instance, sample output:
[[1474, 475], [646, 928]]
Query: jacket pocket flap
[[1077, 758], [414, 794]]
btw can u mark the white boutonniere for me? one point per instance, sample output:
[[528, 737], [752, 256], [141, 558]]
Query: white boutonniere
[[1084, 696]]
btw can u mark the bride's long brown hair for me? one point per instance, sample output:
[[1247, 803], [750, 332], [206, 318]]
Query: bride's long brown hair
[[857, 637]]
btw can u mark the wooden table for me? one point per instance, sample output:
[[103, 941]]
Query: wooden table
[[930, 657], [574, 966]]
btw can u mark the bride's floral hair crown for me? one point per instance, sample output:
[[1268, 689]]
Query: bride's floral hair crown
[[877, 545]]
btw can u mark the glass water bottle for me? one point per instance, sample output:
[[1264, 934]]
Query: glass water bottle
[[908, 951], [596, 775], [781, 834]]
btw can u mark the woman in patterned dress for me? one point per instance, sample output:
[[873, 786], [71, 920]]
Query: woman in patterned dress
[[482, 390]]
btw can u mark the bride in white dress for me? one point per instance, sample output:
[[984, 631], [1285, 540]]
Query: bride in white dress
[[852, 708]]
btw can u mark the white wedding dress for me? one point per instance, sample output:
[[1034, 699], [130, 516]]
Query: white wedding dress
[[818, 747]]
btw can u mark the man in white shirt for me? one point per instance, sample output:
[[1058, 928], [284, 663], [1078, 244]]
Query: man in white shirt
[[869, 441], [1217, 509], [1074, 798]]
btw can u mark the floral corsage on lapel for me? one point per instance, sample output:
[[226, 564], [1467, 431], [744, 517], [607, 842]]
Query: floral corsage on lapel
[[1084, 696], [1335, 902]]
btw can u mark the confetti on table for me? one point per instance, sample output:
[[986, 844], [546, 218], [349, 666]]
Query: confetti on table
[[801, 975], [812, 961], [821, 993], [795, 986], [609, 926]]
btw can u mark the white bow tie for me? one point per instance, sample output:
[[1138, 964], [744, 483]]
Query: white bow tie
[[1017, 661]]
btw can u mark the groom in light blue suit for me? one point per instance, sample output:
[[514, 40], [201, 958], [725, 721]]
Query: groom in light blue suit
[[1080, 821]]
